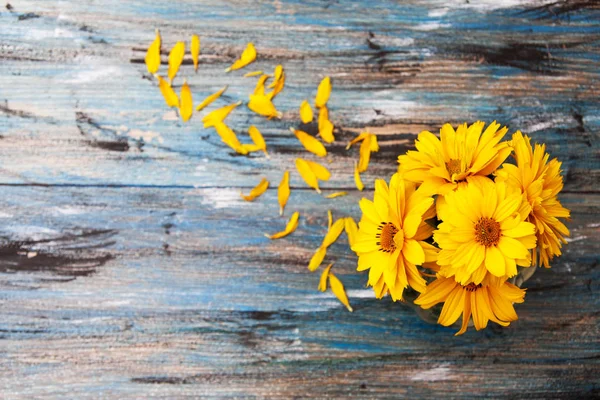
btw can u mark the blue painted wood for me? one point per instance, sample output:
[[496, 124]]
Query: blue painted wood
[[130, 267]]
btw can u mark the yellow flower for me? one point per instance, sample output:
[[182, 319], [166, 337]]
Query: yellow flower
[[463, 155], [541, 181], [483, 230], [390, 241], [493, 302]]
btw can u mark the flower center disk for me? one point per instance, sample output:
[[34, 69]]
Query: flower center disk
[[386, 234], [453, 167], [487, 232]]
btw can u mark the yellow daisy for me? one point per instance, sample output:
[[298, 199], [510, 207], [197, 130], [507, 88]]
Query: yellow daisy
[[484, 230], [466, 154], [390, 241], [492, 302], [541, 181]]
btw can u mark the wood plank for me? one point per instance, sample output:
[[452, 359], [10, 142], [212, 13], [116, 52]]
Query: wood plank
[[130, 267]]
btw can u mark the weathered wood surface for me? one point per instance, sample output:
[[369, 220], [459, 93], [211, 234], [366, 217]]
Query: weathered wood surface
[[129, 267]]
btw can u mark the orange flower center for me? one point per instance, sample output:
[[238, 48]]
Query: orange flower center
[[453, 167], [471, 287], [487, 232], [386, 234]]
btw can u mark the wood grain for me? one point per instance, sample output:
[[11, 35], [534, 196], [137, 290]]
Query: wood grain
[[130, 267]]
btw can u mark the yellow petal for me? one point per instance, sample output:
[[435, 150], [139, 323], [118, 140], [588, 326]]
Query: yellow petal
[[168, 93], [259, 89], [336, 194], [283, 191], [153, 55], [277, 75], [310, 143], [338, 289], [306, 113], [307, 174], [323, 280], [329, 219], [195, 50], [229, 137], [249, 148], [325, 126], [208, 100], [351, 230], [317, 259], [357, 139], [357, 180], [278, 86], [186, 107], [262, 105], [218, 115], [334, 232], [323, 92], [175, 59], [319, 170], [248, 56], [365, 154], [257, 190], [257, 138], [289, 228], [253, 73], [374, 143]]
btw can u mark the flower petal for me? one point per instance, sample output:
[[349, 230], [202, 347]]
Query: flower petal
[[324, 276], [186, 107], [195, 50], [494, 262], [323, 92], [289, 228], [351, 230], [310, 143], [357, 181], [307, 174], [219, 115], [209, 99], [168, 93], [317, 258], [257, 190], [257, 138], [262, 105], [336, 194], [413, 252], [248, 56], [306, 113], [175, 59], [283, 191], [338, 289], [153, 55]]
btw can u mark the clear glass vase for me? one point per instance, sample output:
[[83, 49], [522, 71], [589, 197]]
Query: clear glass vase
[[431, 315]]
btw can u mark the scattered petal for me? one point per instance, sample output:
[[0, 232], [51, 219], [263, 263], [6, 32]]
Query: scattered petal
[[262, 105], [357, 139], [168, 93], [320, 171], [195, 50], [277, 85], [248, 56], [307, 174], [325, 126], [357, 181], [278, 74], [258, 139], [208, 100], [323, 92], [365, 154], [334, 232], [218, 115], [253, 73], [310, 143], [186, 107], [259, 89], [338, 289], [324, 276], [229, 138], [175, 59], [306, 113], [153, 55], [257, 190], [351, 230], [283, 191], [289, 228], [336, 194], [317, 259], [329, 219]]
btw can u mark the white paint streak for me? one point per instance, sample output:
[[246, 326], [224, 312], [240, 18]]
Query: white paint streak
[[441, 373], [146, 136], [575, 239], [430, 26], [94, 75], [222, 198]]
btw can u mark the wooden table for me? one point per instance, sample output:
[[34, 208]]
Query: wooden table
[[130, 267]]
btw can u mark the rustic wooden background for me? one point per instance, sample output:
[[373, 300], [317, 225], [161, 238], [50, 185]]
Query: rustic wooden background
[[130, 267]]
